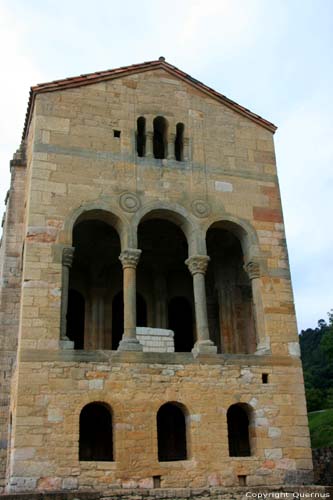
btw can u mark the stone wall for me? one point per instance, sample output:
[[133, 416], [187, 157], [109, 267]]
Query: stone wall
[[323, 465], [155, 339]]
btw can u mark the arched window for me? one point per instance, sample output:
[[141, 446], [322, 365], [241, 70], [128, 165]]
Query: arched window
[[171, 433], [75, 318], [141, 136], [238, 431], [95, 441], [180, 320], [160, 137], [179, 142]]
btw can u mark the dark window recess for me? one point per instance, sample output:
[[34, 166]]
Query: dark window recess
[[242, 480], [116, 133], [160, 138], [95, 442], [171, 433], [75, 318], [179, 142], [264, 378], [157, 481], [238, 432], [180, 320], [141, 136]]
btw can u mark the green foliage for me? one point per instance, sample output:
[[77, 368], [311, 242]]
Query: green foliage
[[321, 428], [317, 357]]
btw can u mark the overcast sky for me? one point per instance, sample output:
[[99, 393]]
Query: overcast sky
[[271, 56]]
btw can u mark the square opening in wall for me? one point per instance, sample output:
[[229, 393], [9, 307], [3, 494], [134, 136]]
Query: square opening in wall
[[264, 378], [157, 481], [242, 480], [116, 133]]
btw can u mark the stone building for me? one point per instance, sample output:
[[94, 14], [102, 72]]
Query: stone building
[[148, 334]]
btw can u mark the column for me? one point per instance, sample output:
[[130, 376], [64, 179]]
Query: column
[[149, 144], [129, 259], [197, 265], [253, 270], [67, 260], [186, 151], [171, 146]]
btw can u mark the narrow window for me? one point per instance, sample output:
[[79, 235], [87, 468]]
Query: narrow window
[[141, 136], [95, 441], [160, 137], [179, 142], [238, 431], [264, 378], [171, 433]]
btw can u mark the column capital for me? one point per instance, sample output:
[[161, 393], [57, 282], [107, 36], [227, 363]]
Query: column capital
[[130, 257], [253, 269], [67, 256], [197, 264]]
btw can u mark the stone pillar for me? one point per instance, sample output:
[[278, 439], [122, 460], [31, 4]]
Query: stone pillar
[[171, 146], [253, 270], [67, 260], [197, 265], [186, 151], [129, 259], [149, 144]]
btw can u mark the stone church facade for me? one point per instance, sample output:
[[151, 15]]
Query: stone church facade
[[148, 335]]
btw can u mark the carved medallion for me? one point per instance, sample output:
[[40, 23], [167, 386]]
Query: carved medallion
[[129, 202], [201, 208]]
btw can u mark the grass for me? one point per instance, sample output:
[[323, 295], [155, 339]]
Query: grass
[[321, 428]]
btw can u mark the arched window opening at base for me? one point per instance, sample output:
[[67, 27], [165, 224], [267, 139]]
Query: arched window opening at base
[[160, 137], [95, 441], [179, 142], [238, 431], [171, 433], [141, 136], [180, 320], [75, 318], [118, 316]]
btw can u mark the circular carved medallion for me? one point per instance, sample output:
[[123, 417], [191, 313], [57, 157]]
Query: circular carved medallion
[[201, 208], [129, 202]]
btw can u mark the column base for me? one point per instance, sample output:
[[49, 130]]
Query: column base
[[264, 347], [130, 345], [66, 343], [204, 347]]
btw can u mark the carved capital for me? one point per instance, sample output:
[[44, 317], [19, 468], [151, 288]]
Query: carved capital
[[130, 257], [197, 264], [67, 256], [253, 269]]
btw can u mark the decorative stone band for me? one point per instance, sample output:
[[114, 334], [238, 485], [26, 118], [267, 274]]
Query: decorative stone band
[[253, 269], [197, 264], [130, 257], [67, 256]]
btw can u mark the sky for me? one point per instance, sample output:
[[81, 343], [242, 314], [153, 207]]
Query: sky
[[274, 57]]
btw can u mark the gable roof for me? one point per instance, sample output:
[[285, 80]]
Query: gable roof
[[110, 74]]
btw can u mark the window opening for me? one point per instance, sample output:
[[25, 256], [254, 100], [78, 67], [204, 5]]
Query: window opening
[[238, 432], [95, 442], [171, 433], [141, 136], [159, 139], [179, 142], [264, 378], [116, 133]]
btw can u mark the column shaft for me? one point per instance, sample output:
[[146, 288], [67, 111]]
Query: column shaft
[[67, 259]]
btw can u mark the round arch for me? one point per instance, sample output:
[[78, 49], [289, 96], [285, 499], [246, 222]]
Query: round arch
[[176, 214], [243, 230], [97, 211]]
